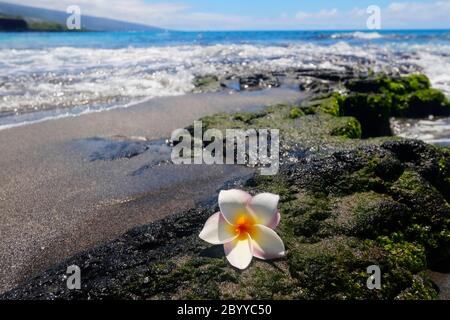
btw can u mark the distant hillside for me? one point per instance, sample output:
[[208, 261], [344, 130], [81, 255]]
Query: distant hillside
[[12, 24], [53, 18], [17, 24]]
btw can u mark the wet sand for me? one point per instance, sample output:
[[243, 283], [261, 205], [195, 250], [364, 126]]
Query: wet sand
[[55, 201]]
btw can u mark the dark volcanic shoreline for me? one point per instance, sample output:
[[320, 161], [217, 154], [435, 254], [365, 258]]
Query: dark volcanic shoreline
[[166, 259], [346, 202], [70, 184]]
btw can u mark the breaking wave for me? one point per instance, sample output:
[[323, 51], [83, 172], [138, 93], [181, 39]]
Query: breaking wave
[[73, 80]]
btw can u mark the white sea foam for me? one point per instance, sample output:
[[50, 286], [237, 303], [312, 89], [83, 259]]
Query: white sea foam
[[358, 35], [436, 131], [26, 119], [89, 79], [435, 61]]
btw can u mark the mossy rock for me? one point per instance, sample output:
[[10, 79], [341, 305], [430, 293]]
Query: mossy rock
[[295, 125], [408, 255], [444, 172], [327, 105], [430, 214], [304, 217], [361, 169], [366, 215], [384, 83], [372, 111], [192, 278], [423, 103], [421, 289], [296, 113], [207, 83], [414, 189], [223, 121], [335, 268], [416, 82], [351, 129], [266, 282], [374, 100]]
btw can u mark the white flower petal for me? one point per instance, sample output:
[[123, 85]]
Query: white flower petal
[[217, 230], [233, 203], [239, 252], [264, 207], [266, 243], [275, 221]]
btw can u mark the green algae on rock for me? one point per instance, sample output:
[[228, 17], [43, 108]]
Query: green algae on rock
[[351, 129], [207, 83], [372, 110], [329, 104], [373, 101]]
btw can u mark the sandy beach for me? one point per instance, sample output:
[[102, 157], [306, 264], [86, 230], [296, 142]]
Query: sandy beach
[[57, 201]]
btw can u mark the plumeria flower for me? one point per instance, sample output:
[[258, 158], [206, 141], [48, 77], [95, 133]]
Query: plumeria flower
[[245, 227]]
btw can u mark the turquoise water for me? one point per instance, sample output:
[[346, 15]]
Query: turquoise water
[[115, 40]]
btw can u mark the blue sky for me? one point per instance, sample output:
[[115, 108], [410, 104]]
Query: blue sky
[[264, 8], [263, 14]]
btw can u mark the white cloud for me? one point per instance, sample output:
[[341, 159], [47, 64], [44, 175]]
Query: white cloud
[[316, 15], [358, 12], [412, 14], [418, 7], [178, 15], [418, 14]]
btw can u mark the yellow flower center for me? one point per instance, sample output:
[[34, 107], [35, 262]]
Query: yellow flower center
[[244, 224]]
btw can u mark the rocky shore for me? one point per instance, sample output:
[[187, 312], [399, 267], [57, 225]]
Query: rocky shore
[[351, 196]]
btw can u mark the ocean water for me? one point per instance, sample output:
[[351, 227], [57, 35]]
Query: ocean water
[[49, 75]]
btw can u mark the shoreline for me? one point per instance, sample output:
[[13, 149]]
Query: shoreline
[[56, 201]]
